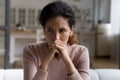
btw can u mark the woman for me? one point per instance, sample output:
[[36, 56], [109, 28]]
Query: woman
[[59, 57]]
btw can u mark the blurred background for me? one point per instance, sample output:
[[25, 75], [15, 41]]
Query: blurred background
[[97, 27]]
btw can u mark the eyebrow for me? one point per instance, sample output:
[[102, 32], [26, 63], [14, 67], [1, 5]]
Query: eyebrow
[[48, 27], [63, 28], [52, 28]]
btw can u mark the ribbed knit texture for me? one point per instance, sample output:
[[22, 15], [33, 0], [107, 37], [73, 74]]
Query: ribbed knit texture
[[34, 53]]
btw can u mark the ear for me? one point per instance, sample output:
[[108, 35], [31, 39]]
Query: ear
[[72, 29], [71, 32]]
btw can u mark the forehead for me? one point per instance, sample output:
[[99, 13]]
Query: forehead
[[57, 22]]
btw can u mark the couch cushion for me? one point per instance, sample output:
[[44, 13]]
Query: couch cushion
[[93, 75], [1, 74], [108, 74], [13, 74]]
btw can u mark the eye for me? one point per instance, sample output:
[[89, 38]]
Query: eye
[[49, 30], [62, 30]]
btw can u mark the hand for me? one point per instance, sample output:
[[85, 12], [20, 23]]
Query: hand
[[57, 53], [63, 50]]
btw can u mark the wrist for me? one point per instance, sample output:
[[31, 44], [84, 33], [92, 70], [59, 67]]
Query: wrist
[[66, 60], [44, 66]]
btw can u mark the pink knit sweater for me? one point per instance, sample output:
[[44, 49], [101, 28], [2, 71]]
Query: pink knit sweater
[[34, 54]]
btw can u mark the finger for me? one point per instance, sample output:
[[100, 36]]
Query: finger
[[59, 44], [58, 41], [52, 46], [60, 48]]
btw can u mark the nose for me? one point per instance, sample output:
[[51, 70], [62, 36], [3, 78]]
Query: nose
[[56, 36]]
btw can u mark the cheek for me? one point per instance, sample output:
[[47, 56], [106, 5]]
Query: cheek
[[65, 38], [48, 38]]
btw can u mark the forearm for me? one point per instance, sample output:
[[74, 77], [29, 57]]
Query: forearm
[[70, 66], [47, 60], [72, 72]]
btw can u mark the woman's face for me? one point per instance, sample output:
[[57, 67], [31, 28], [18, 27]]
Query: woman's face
[[57, 28]]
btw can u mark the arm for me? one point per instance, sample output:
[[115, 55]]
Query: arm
[[81, 68], [30, 69]]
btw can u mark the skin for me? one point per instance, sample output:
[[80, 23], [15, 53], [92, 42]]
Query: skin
[[57, 32]]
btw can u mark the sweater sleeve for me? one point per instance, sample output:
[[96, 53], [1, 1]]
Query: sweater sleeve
[[82, 66], [31, 72]]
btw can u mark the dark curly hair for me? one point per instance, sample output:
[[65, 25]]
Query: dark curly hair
[[58, 8]]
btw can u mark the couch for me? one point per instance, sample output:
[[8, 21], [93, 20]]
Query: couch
[[95, 74]]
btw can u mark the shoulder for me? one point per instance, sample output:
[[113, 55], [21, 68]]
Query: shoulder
[[79, 48], [79, 54], [34, 46], [79, 51], [32, 52], [35, 49]]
